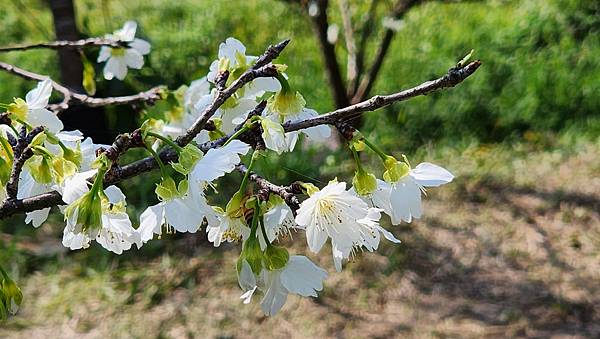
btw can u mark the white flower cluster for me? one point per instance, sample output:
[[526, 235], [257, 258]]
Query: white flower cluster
[[65, 161]]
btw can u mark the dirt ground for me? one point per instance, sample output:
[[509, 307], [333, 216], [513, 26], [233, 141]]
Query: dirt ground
[[510, 249]]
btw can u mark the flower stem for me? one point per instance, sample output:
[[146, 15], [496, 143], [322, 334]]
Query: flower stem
[[285, 85], [264, 231], [247, 174], [356, 159], [166, 141], [98, 181], [375, 149], [236, 134], [163, 169]]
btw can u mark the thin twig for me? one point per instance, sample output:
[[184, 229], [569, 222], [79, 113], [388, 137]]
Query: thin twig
[[451, 79], [262, 68], [74, 98], [365, 33], [66, 44], [320, 25], [22, 153], [285, 192]]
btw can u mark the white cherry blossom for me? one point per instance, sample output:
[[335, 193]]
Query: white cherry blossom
[[300, 276], [115, 232], [120, 58], [401, 200]]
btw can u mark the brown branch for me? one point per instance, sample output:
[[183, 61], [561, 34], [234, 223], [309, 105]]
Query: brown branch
[[262, 68], [367, 82], [285, 192], [66, 44], [21, 154], [451, 79], [74, 98]]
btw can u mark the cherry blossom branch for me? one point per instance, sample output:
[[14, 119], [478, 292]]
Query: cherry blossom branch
[[22, 152], [287, 193], [454, 76], [73, 98], [66, 44], [262, 68]]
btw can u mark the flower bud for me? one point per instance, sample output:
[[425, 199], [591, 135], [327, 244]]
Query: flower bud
[[233, 208], [252, 253], [102, 162], [394, 169], [275, 257], [86, 212], [167, 189], [364, 182], [38, 140], [19, 109], [309, 188], [188, 157], [286, 103], [40, 168], [62, 168], [73, 156]]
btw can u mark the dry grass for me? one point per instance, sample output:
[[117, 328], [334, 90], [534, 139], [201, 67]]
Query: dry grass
[[511, 249]]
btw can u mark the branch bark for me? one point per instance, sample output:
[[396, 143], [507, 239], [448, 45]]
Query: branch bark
[[65, 44], [73, 98], [451, 79]]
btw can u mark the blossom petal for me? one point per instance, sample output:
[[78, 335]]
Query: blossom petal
[[127, 33], [105, 53], [116, 66], [38, 97], [114, 194], [315, 238], [275, 294], [43, 117], [133, 59], [302, 276], [430, 175], [246, 277], [151, 221], [218, 161], [141, 46], [183, 215], [38, 217]]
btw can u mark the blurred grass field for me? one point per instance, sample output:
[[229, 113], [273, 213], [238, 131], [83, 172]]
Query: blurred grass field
[[510, 249]]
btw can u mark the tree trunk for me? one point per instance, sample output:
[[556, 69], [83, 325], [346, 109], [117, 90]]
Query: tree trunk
[[90, 121]]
